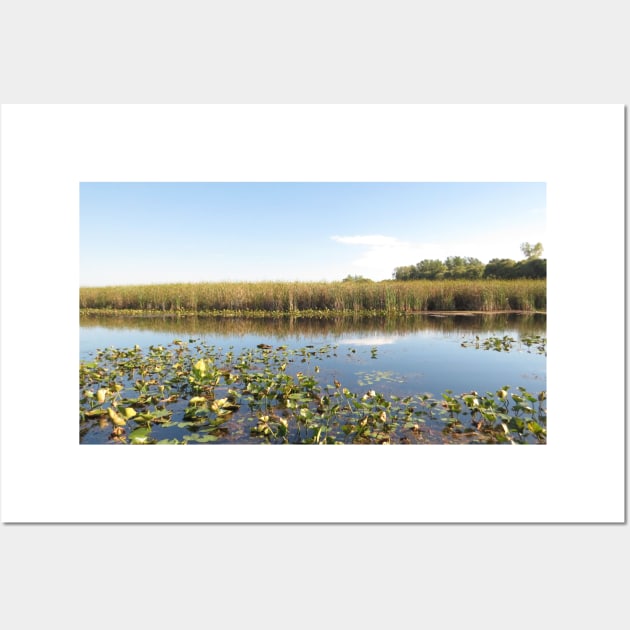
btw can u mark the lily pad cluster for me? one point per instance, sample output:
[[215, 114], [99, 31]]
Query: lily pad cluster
[[379, 376], [189, 392], [530, 343]]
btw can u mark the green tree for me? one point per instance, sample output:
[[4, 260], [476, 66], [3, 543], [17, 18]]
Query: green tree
[[532, 251], [531, 268], [500, 268], [430, 269], [463, 267], [405, 273], [474, 267], [454, 267]]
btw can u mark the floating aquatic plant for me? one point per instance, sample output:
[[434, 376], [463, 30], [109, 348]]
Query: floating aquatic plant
[[378, 376], [530, 343], [194, 393]]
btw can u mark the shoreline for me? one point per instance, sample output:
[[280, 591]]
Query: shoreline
[[90, 312]]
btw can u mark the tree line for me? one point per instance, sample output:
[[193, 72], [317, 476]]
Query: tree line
[[466, 267]]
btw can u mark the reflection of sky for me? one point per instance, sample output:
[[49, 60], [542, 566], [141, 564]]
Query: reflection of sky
[[425, 361], [369, 341], [437, 363]]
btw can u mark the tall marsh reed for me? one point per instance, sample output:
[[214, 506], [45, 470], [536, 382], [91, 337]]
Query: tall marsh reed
[[295, 297]]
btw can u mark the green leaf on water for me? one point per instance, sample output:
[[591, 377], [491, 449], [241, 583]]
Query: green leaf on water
[[140, 435], [96, 412], [535, 428], [205, 438], [116, 418], [200, 367], [162, 413]]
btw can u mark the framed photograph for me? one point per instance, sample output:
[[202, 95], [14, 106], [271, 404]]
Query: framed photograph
[[306, 314]]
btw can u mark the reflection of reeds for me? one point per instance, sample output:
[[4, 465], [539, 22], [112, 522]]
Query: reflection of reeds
[[296, 297], [289, 327]]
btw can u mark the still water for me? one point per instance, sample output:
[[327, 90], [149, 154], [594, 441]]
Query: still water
[[423, 352], [397, 356]]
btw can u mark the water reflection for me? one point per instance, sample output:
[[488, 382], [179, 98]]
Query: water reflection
[[394, 356], [384, 329], [376, 340]]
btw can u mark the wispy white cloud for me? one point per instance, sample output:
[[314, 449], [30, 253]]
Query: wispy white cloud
[[380, 255]]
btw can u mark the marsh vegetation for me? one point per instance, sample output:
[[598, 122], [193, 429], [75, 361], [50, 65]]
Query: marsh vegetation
[[406, 380], [190, 392], [319, 298]]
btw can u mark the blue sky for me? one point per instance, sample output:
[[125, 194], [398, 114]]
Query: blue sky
[[136, 233]]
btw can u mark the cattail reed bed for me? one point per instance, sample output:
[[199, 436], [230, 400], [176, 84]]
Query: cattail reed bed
[[277, 298]]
